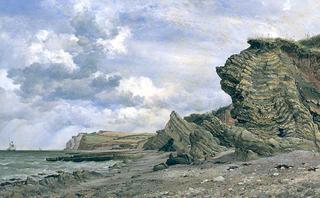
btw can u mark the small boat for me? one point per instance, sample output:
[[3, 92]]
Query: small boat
[[11, 147]]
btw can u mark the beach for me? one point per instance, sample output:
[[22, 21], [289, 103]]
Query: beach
[[293, 174]]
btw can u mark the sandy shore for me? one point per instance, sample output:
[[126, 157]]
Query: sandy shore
[[294, 174]]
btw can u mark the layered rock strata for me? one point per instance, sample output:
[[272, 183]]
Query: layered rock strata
[[275, 91], [175, 134], [190, 135], [274, 85]]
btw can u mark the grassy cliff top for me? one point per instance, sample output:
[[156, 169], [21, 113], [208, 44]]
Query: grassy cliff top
[[109, 138], [303, 48]]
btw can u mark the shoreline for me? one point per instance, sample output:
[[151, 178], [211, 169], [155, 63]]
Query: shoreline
[[293, 174]]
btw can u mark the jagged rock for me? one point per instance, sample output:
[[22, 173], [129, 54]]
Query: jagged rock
[[177, 131], [274, 85], [203, 135], [191, 134]]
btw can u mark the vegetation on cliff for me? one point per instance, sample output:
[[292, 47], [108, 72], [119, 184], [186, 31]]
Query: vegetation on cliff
[[107, 140]]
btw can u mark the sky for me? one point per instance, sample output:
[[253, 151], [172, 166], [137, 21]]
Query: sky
[[70, 66]]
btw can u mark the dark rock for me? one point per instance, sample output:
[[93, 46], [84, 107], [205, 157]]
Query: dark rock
[[135, 176], [312, 169], [232, 168], [181, 158], [159, 167], [282, 133], [283, 166], [168, 147], [219, 162]]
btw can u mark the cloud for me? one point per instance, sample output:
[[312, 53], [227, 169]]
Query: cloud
[[117, 44], [7, 83], [87, 65], [50, 48], [139, 86]]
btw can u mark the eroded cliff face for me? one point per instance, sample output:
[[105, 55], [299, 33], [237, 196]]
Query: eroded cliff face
[[275, 90], [74, 142]]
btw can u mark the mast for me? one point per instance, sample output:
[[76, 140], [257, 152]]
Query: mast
[[11, 146]]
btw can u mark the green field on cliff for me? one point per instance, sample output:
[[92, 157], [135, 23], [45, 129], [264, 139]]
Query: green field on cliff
[[113, 140]]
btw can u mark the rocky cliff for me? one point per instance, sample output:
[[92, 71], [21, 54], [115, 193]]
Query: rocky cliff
[[275, 90], [107, 140], [74, 142]]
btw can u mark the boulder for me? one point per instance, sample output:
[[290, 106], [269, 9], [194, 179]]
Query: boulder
[[180, 158]]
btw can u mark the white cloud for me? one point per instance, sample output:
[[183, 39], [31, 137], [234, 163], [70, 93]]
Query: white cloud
[[116, 45], [143, 87], [287, 5], [126, 64], [7, 83], [81, 6], [42, 35], [139, 86], [51, 48]]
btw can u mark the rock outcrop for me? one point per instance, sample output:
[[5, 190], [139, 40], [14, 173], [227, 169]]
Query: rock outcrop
[[190, 135], [275, 89], [176, 131]]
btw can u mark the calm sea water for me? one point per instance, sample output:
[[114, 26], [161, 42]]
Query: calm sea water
[[20, 164]]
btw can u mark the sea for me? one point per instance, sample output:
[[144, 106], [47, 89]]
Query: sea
[[20, 164]]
